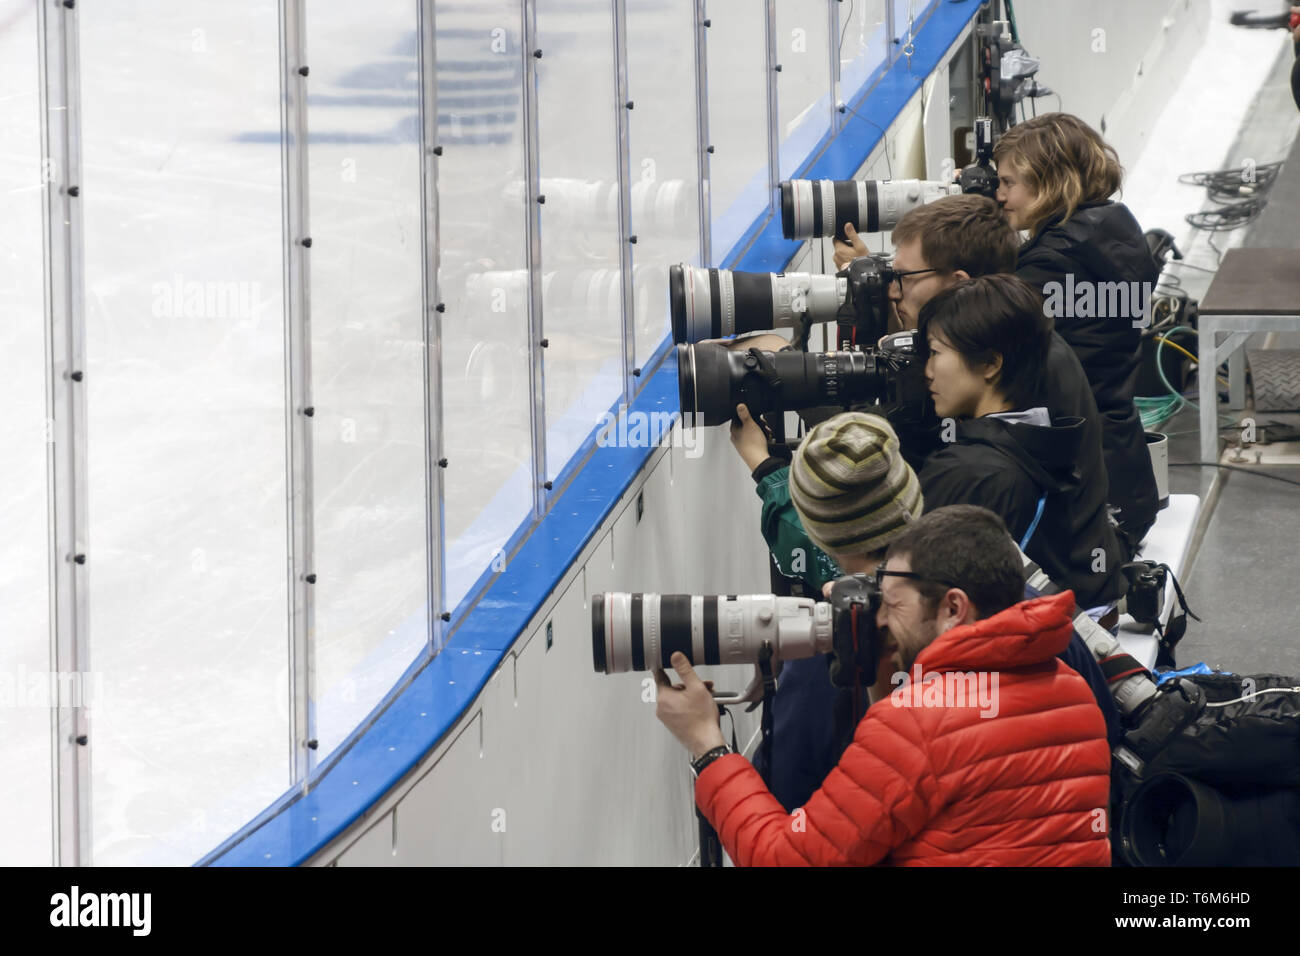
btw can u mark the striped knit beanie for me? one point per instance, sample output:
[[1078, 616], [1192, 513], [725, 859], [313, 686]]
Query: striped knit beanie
[[850, 485]]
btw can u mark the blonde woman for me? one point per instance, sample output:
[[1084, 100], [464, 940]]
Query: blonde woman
[[1087, 255]]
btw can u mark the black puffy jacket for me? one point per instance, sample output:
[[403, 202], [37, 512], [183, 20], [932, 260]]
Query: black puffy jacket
[[1006, 467], [1103, 243]]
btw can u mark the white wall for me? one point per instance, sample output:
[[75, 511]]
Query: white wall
[[583, 771], [1114, 64]]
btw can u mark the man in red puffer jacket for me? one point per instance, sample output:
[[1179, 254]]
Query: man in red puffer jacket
[[993, 753]]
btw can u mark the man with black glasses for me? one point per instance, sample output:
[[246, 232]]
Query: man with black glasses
[[1015, 774]]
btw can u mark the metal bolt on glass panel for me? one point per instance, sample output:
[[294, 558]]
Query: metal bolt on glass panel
[[298, 424], [430, 149], [65, 404], [536, 369]]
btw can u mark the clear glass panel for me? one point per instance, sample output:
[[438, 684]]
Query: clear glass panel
[[905, 12], [367, 357], [582, 271], [664, 157], [186, 418], [739, 183], [25, 785], [804, 106], [864, 45], [483, 281]]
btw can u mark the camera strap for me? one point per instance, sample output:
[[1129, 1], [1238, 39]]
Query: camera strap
[[765, 719], [765, 368], [1171, 635], [710, 845], [1033, 525], [857, 683]]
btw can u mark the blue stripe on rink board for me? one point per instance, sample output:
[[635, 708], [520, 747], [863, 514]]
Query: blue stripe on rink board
[[296, 827]]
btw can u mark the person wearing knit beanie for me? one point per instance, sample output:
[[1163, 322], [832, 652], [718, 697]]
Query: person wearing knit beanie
[[851, 488]]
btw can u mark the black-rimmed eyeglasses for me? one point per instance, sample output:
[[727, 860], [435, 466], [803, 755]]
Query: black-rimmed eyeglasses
[[896, 276], [881, 572]]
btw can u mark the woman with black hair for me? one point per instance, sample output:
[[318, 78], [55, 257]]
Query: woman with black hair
[[984, 343], [1088, 257]]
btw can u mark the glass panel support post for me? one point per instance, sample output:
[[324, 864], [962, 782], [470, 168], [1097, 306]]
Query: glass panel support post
[[622, 106], [702, 130], [65, 428], [299, 411], [532, 54], [433, 308], [773, 117]]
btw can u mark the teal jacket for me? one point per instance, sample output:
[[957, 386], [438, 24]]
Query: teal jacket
[[795, 554]]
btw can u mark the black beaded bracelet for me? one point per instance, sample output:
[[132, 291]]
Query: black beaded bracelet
[[698, 765]]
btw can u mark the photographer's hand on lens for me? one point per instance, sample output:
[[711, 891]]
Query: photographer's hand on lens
[[855, 248], [687, 709], [749, 438]]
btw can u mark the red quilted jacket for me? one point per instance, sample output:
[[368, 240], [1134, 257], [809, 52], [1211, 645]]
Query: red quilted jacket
[[929, 781]]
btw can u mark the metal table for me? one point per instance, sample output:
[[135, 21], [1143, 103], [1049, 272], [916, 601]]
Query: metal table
[[1255, 290]]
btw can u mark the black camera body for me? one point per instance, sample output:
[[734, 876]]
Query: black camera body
[[866, 301], [855, 601], [980, 177], [1176, 704], [1145, 598]]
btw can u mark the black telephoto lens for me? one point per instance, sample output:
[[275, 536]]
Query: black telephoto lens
[[713, 380]]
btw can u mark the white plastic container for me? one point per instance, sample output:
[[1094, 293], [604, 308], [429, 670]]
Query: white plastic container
[[1158, 447]]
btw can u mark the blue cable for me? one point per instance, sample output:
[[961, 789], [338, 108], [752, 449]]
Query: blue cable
[[1033, 525]]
